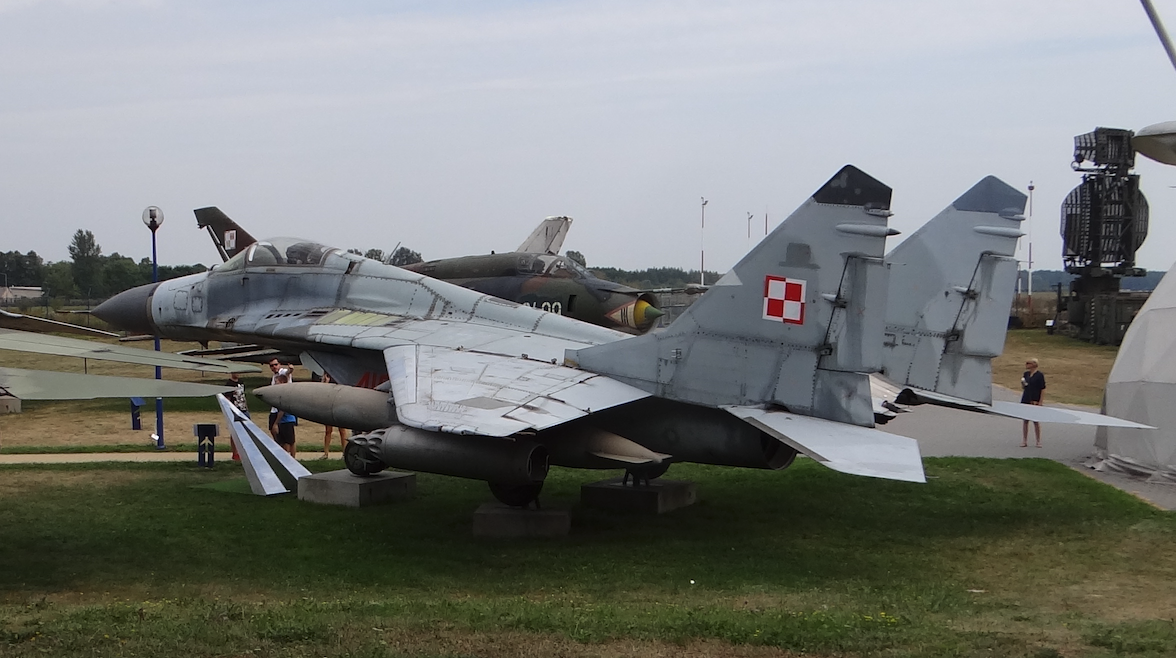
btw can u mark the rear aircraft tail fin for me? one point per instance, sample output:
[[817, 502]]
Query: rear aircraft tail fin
[[548, 237], [951, 288], [228, 237], [795, 324]]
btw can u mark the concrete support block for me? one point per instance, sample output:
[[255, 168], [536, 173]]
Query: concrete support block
[[9, 405], [657, 497], [350, 490], [498, 520]]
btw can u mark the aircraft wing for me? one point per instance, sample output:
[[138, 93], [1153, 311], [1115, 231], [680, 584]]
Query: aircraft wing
[[45, 385], [465, 392], [23, 341], [548, 237], [32, 323], [847, 448]]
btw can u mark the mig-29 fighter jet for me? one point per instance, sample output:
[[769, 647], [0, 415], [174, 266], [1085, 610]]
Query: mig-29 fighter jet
[[772, 361], [534, 274]]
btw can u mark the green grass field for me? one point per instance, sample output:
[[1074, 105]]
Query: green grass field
[[989, 558]]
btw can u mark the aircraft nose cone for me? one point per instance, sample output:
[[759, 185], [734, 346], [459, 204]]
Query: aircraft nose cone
[[129, 310]]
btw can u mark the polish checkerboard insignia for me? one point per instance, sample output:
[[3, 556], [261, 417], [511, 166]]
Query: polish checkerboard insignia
[[784, 299]]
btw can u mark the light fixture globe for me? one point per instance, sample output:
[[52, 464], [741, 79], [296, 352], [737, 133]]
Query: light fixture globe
[[153, 217]]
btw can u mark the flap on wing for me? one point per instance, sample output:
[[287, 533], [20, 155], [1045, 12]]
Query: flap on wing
[[1060, 415], [842, 447], [464, 392]]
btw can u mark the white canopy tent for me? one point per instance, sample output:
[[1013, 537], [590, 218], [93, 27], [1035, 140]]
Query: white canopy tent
[[1142, 387]]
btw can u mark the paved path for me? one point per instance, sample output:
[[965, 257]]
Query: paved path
[[945, 432], [940, 432]]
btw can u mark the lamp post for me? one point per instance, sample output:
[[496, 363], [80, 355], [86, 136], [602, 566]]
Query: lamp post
[[701, 247], [153, 218]]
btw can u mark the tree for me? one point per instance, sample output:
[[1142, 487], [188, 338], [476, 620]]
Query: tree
[[59, 281], [405, 256], [87, 263], [122, 273], [578, 257], [22, 269], [374, 254]]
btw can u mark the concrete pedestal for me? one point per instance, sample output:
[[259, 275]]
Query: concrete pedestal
[[350, 490], [657, 497], [498, 520], [9, 405]]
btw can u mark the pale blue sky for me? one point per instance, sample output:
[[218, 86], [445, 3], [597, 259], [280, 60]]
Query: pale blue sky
[[454, 127]]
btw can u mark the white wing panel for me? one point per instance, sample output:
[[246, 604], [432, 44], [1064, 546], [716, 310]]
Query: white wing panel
[[847, 448], [465, 392]]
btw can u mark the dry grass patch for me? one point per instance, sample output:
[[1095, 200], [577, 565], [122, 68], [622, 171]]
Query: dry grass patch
[[1075, 372]]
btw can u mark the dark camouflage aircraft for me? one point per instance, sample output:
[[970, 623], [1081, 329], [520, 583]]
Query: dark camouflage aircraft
[[533, 275]]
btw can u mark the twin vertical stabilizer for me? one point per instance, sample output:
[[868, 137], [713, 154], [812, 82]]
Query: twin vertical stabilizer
[[951, 287]]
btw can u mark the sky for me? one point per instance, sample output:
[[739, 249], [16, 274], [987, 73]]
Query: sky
[[452, 128]]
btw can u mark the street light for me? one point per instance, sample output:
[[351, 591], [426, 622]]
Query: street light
[[701, 248], [153, 218]]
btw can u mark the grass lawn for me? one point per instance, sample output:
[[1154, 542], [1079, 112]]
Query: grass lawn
[[989, 558]]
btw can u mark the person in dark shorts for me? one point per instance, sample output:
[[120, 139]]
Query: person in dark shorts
[[282, 427], [1033, 392]]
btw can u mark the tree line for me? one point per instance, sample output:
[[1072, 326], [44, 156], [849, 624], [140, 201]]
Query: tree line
[[88, 273]]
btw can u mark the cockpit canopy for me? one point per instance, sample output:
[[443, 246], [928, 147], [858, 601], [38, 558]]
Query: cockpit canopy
[[280, 252]]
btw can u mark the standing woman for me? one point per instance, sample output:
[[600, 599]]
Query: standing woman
[[1033, 392], [327, 432]]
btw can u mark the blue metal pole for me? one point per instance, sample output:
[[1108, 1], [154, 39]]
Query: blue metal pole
[[159, 445]]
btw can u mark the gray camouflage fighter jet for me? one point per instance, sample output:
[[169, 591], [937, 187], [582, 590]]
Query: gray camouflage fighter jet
[[772, 361]]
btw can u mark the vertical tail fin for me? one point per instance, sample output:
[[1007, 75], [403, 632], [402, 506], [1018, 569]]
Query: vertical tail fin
[[951, 288], [226, 235], [548, 237], [794, 324]]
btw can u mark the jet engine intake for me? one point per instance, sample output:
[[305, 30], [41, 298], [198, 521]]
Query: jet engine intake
[[501, 461]]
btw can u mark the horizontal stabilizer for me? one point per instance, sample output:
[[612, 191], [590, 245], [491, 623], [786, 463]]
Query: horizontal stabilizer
[[1059, 415], [48, 385], [1031, 412], [842, 447]]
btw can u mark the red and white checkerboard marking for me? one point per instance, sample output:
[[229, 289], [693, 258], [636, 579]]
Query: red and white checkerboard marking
[[784, 299]]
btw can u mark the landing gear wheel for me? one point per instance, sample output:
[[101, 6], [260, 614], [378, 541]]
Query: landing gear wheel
[[517, 495], [360, 461]]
